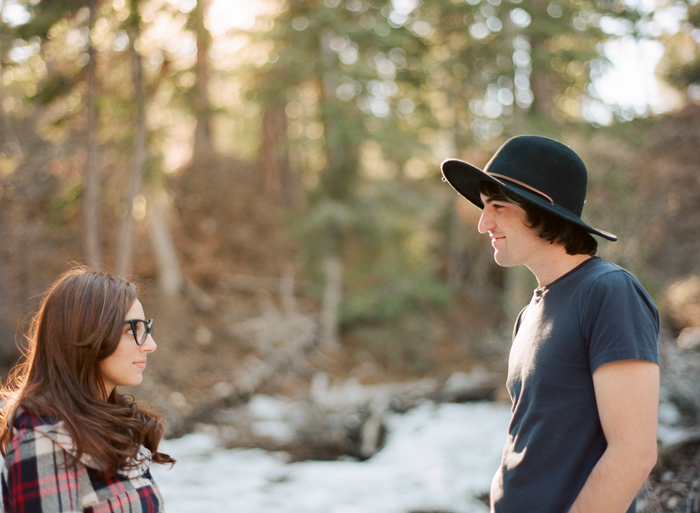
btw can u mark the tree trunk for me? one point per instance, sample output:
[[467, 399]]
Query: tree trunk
[[342, 152], [126, 243], [170, 278], [7, 331], [4, 123], [203, 146], [278, 179], [338, 181], [91, 175], [332, 296], [9, 143], [543, 84], [456, 254]]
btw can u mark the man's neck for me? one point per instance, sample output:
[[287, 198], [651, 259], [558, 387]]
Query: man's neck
[[554, 264]]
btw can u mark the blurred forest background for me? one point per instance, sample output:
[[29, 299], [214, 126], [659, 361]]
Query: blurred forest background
[[268, 171]]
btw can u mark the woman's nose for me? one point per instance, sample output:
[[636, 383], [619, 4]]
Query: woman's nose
[[150, 345]]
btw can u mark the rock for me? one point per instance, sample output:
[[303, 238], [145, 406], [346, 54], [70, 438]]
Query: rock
[[689, 338]]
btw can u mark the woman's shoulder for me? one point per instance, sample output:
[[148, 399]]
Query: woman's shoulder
[[27, 419], [38, 436], [29, 425], [29, 440]]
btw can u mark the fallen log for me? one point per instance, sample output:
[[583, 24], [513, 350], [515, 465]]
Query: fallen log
[[335, 419]]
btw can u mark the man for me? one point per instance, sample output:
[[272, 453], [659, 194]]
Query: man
[[583, 371]]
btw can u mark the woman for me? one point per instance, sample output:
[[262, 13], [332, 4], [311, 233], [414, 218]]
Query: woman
[[71, 441]]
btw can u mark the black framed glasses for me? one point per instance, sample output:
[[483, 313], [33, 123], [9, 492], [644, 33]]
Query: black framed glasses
[[140, 329]]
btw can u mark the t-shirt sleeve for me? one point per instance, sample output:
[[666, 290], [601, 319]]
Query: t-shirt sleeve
[[620, 320]]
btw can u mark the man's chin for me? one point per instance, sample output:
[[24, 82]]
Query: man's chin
[[503, 261]]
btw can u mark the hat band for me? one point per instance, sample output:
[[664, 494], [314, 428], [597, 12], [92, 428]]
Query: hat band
[[521, 184]]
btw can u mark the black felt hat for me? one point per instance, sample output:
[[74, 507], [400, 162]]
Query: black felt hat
[[538, 170]]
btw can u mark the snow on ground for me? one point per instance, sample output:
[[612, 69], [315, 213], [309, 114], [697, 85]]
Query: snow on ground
[[436, 457]]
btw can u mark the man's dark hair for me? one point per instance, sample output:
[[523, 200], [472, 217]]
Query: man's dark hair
[[554, 229]]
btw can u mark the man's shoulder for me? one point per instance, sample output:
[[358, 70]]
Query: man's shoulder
[[600, 271], [599, 279], [607, 281], [599, 266]]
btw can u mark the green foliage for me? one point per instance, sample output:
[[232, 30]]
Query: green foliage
[[67, 202], [415, 79], [685, 74], [680, 65], [395, 292], [54, 87], [46, 13], [402, 345], [390, 268], [455, 72], [364, 73]]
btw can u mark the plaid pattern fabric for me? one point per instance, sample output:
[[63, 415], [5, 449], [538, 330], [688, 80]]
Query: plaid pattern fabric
[[37, 479]]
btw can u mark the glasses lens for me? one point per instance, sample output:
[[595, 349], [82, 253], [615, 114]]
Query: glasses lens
[[141, 332]]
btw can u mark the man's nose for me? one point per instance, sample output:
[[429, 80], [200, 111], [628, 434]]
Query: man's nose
[[485, 222]]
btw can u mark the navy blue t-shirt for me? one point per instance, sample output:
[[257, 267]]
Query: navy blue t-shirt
[[595, 314]]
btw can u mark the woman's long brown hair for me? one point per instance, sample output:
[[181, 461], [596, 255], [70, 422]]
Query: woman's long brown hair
[[79, 323]]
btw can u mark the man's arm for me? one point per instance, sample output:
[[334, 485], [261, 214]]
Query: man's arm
[[627, 393]]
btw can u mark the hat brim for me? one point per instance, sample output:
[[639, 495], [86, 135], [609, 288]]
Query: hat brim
[[464, 178]]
